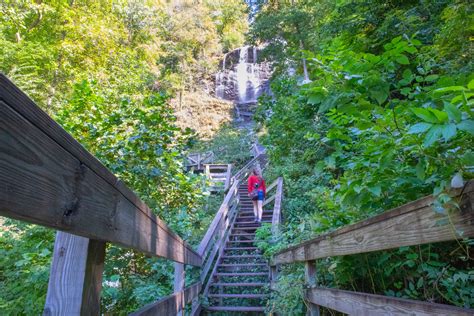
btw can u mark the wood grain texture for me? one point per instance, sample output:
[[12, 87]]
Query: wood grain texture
[[310, 277], [276, 217], [362, 304], [75, 280], [221, 213], [170, 305], [178, 284], [47, 178], [411, 224]]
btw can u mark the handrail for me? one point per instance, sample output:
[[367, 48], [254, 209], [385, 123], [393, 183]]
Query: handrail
[[411, 224], [223, 209], [276, 217], [246, 169], [48, 178], [213, 242], [171, 304]]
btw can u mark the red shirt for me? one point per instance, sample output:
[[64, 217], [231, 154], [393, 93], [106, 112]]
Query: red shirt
[[254, 180]]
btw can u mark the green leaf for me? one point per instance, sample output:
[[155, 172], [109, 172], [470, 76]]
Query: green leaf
[[470, 85], [419, 128], [315, 99], [402, 59], [434, 133], [419, 284], [453, 112], [450, 89], [420, 170], [377, 190], [425, 115], [431, 78], [407, 74], [467, 126], [440, 115], [379, 95], [448, 131]]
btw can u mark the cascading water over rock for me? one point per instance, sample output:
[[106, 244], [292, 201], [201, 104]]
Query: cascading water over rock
[[242, 79]]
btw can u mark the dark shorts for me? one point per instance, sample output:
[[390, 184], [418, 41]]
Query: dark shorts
[[260, 196]]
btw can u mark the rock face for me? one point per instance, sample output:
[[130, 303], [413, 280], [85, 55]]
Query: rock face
[[242, 78]]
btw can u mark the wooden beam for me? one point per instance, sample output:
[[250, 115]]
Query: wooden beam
[[223, 209], [170, 305], [269, 200], [411, 224], [362, 304], [48, 178], [178, 284], [310, 277], [75, 280], [228, 176], [276, 217], [272, 186]]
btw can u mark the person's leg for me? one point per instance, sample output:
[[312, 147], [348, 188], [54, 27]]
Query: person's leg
[[255, 210], [260, 210]]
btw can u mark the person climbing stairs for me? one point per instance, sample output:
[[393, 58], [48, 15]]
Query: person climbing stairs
[[240, 284]]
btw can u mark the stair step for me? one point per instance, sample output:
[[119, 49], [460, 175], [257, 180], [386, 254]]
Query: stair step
[[250, 223], [233, 274], [248, 234], [244, 284], [252, 265], [242, 256], [240, 241], [236, 308], [239, 248], [244, 228], [238, 295], [252, 217]]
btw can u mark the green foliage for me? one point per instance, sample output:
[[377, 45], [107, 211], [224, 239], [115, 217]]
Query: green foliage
[[25, 256], [104, 70], [229, 145], [387, 118]]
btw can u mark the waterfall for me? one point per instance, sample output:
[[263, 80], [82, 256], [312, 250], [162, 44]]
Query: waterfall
[[241, 78]]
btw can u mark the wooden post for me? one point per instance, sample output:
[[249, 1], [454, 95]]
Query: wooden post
[[310, 277], [179, 281], [273, 276], [75, 280]]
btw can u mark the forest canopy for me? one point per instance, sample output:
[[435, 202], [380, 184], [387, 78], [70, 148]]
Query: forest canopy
[[385, 116]]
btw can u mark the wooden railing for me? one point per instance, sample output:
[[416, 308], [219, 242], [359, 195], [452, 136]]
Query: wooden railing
[[212, 245], [219, 175], [412, 224], [275, 199], [197, 160], [48, 178]]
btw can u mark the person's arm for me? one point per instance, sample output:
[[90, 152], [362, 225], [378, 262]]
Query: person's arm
[[249, 185], [264, 187]]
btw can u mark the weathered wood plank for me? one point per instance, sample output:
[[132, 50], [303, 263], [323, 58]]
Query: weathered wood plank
[[75, 280], [228, 176], [223, 209], [411, 224], [178, 284], [269, 200], [362, 304], [47, 178], [276, 217], [221, 235], [171, 304], [310, 277], [272, 186]]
